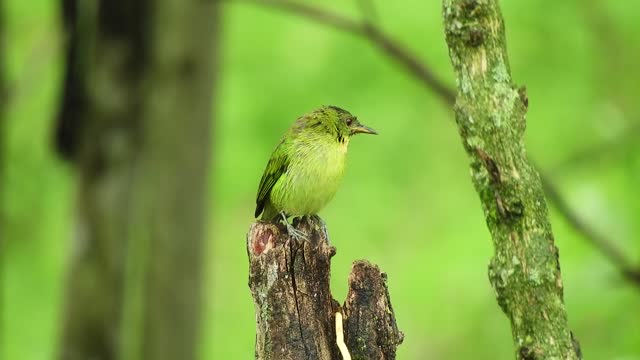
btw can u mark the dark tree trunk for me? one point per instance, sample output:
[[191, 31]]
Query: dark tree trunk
[[135, 121], [295, 312]]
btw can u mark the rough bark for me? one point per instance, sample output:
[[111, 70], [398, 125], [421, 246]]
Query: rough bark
[[490, 113], [370, 326], [295, 312], [135, 121]]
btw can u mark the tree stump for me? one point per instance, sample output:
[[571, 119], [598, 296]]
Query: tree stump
[[295, 311]]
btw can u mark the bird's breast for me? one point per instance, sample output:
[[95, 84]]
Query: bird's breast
[[312, 178], [322, 165]]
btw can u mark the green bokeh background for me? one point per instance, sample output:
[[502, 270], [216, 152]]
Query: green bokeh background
[[406, 204]]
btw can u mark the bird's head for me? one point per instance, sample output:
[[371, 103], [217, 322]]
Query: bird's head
[[336, 122]]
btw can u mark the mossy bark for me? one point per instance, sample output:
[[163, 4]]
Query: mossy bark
[[491, 117], [136, 122], [295, 311]]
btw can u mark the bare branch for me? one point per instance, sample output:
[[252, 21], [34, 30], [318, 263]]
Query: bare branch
[[387, 45], [607, 149], [311, 12], [416, 67], [605, 245]]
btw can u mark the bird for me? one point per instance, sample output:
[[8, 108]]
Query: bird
[[307, 165]]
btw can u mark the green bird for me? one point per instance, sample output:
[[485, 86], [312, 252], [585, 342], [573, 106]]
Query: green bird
[[306, 167]]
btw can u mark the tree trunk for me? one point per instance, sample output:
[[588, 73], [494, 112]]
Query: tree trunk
[[490, 113], [295, 312], [136, 122]]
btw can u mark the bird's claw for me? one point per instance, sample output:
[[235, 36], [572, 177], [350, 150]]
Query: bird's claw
[[296, 234], [293, 232]]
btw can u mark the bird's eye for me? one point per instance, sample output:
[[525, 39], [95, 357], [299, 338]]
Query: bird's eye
[[349, 121]]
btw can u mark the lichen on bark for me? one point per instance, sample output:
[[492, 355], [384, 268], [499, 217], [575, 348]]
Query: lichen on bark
[[490, 113]]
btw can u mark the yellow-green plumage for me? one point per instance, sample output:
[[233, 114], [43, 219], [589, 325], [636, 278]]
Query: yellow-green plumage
[[306, 167]]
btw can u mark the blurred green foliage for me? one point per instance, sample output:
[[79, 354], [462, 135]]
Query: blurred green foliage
[[406, 204]]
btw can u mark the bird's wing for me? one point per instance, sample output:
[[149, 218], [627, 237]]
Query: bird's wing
[[275, 168]]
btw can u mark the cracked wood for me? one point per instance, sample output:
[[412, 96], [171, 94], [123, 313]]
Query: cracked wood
[[295, 311]]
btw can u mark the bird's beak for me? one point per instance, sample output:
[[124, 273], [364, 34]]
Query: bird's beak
[[359, 128]]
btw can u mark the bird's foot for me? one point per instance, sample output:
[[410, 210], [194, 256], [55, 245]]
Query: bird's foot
[[292, 231], [296, 234]]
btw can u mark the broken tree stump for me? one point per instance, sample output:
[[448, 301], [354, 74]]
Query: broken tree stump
[[295, 311]]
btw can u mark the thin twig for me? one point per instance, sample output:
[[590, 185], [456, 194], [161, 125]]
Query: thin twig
[[627, 138], [602, 243], [416, 67], [312, 13], [376, 37]]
